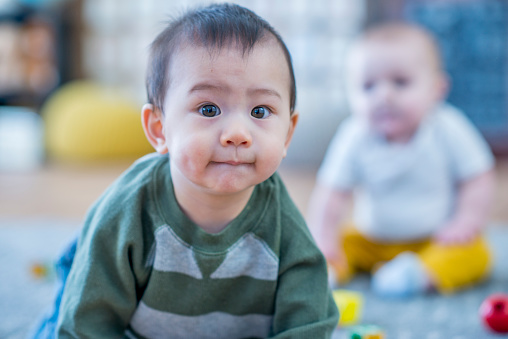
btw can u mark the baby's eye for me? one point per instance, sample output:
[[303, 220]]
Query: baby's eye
[[210, 111], [401, 81], [368, 86], [260, 112]]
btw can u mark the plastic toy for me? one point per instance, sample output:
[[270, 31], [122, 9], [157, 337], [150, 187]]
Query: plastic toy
[[367, 332], [42, 270], [494, 312], [350, 306], [86, 120]]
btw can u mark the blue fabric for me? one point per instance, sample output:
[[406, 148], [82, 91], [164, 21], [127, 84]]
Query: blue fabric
[[46, 328]]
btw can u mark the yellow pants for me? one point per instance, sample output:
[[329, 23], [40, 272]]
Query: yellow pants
[[451, 267]]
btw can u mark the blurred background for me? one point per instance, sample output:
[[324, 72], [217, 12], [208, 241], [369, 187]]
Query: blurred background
[[72, 85], [72, 82]]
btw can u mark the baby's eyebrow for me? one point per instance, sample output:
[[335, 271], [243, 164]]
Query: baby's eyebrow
[[220, 88], [264, 91], [207, 87]]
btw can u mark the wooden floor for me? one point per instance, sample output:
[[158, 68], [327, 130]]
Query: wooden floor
[[67, 191]]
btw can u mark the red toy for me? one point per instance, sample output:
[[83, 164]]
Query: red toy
[[494, 312]]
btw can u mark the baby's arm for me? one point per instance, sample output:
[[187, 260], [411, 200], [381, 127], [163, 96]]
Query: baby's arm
[[304, 307], [97, 301], [474, 199], [328, 207], [100, 292]]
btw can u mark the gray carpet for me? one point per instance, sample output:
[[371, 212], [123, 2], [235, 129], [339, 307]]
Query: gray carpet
[[24, 297]]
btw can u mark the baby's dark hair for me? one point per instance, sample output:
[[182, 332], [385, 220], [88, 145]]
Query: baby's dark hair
[[214, 27]]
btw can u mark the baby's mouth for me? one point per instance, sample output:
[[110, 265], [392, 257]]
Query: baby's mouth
[[231, 163], [386, 114]]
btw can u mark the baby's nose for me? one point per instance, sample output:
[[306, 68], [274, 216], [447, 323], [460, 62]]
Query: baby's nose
[[236, 134], [385, 93]]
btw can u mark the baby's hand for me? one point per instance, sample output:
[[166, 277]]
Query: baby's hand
[[456, 233]]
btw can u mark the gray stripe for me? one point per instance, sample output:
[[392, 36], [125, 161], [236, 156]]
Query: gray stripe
[[174, 255], [251, 257], [152, 323]]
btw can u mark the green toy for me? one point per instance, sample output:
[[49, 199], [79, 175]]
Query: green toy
[[366, 332]]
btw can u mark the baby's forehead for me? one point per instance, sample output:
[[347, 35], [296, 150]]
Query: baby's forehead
[[204, 55], [235, 47], [408, 44], [208, 67], [390, 58]]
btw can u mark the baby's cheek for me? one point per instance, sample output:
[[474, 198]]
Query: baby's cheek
[[271, 158], [194, 155]]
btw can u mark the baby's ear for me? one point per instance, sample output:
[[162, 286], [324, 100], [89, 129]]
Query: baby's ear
[[293, 120], [443, 86], [153, 125]]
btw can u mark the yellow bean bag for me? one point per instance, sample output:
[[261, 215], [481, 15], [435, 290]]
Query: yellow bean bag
[[88, 121]]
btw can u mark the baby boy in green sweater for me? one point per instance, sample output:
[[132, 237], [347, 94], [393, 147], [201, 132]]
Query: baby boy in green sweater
[[201, 239]]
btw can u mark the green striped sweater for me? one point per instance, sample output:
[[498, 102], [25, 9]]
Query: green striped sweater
[[144, 270]]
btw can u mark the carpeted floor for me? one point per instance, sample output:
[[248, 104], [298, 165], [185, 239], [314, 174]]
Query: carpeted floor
[[23, 297]]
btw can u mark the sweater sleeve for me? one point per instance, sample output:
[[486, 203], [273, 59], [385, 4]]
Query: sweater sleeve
[[304, 306], [101, 291]]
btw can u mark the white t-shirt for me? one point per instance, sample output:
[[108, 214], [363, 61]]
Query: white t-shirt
[[407, 191]]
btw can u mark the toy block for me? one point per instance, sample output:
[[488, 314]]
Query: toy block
[[350, 306], [367, 332]]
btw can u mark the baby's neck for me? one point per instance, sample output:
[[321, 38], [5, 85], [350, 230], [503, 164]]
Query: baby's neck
[[212, 212]]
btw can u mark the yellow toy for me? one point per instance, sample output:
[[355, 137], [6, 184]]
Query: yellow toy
[[42, 270], [350, 306], [367, 332], [89, 121]]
